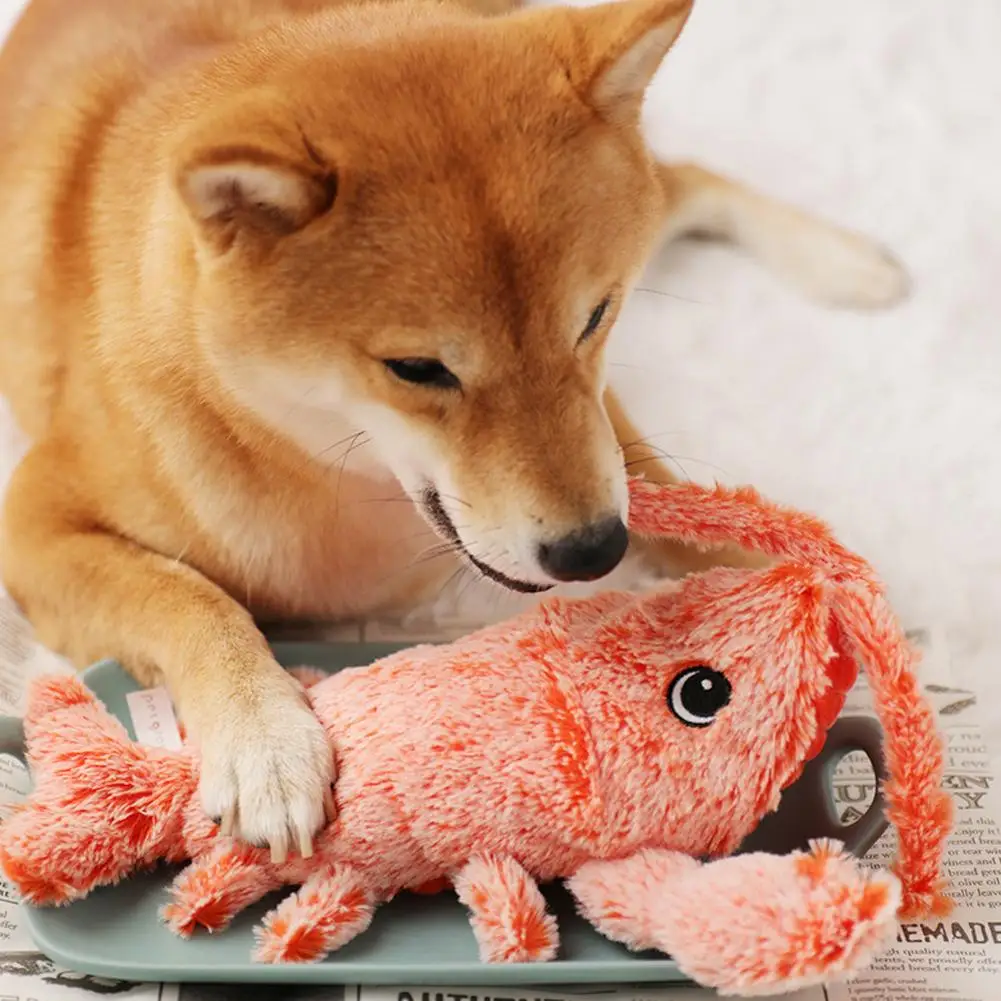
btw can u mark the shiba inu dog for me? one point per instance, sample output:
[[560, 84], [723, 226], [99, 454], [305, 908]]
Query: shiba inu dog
[[295, 288]]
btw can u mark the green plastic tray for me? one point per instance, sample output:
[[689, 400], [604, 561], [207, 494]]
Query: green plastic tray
[[116, 932]]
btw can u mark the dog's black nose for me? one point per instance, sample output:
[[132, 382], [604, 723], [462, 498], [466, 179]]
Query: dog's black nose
[[587, 553]]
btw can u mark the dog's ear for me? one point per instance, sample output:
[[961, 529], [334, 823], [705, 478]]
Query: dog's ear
[[234, 187], [239, 178], [619, 46]]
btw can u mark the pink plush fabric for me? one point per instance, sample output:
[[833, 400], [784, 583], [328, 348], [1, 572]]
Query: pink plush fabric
[[747, 924], [608, 741]]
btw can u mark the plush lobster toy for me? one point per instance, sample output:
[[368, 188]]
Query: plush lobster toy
[[624, 743]]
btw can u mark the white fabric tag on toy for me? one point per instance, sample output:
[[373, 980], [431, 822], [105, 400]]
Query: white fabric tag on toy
[[153, 718]]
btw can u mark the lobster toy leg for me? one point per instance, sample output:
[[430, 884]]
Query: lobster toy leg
[[211, 891], [328, 911], [748, 924], [507, 911]]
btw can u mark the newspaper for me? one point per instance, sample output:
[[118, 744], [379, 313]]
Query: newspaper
[[957, 959]]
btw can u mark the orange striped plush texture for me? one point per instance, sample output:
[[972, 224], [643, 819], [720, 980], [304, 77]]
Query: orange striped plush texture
[[609, 742]]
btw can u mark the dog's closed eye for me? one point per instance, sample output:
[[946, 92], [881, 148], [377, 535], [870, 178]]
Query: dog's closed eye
[[423, 372], [595, 319]]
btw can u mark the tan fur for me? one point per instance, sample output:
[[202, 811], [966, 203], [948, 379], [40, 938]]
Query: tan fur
[[226, 215]]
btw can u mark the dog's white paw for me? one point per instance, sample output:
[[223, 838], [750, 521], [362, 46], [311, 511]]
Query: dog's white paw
[[838, 267], [266, 772]]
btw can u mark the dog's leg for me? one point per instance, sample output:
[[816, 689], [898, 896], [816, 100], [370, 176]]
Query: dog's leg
[[827, 263], [91, 593], [824, 261], [666, 556]]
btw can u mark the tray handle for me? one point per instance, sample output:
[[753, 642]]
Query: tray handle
[[12, 738]]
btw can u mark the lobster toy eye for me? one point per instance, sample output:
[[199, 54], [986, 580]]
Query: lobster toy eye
[[697, 695]]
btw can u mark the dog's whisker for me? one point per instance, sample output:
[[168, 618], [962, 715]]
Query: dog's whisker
[[358, 442], [343, 464], [702, 462], [667, 458], [296, 404], [184, 551], [405, 499], [464, 569], [329, 448], [647, 439], [428, 555], [650, 452], [473, 577], [659, 453], [455, 500], [415, 566], [677, 460], [434, 553], [669, 295], [353, 444]]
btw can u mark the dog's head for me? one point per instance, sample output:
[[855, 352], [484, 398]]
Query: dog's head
[[423, 223]]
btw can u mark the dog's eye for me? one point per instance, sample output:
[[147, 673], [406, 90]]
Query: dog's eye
[[697, 695], [423, 372], [594, 321]]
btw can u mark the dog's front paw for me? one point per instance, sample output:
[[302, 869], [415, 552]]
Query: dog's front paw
[[267, 769]]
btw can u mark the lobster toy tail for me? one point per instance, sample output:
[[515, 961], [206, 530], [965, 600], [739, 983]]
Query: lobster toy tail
[[101, 805]]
